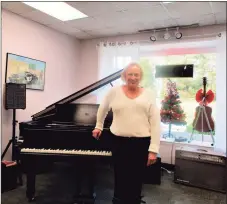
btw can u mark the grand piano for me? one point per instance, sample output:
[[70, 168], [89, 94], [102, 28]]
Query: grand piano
[[63, 132]]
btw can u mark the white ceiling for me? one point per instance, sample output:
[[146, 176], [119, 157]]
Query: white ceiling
[[119, 18]]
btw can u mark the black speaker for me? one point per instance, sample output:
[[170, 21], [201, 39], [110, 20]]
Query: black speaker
[[174, 71], [15, 96], [201, 168]]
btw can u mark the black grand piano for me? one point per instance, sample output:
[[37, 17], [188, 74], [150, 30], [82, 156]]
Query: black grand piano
[[63, 132]]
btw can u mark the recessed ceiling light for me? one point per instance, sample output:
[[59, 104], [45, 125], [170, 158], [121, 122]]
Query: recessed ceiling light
[[59, 10], [167, 2]]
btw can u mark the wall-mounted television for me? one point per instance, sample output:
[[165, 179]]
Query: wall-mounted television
[[174, 71]]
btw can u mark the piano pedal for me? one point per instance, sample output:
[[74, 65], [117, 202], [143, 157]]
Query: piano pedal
[[84, 199], [142, 201], [31, 199]]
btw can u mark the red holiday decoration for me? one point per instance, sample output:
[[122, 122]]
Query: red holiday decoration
[[209, 97]]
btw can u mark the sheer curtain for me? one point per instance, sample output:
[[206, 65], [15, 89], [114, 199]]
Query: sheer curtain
[[112, 57], [220, 130]]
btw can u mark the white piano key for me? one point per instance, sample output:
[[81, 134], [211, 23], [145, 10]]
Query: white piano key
[[65, 151]]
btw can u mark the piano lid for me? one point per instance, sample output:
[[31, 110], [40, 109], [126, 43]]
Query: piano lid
[[49, 110]]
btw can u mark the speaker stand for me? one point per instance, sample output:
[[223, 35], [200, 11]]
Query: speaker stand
[[15, 149], [13, 139]]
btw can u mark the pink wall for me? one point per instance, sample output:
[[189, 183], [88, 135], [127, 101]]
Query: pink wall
[[59, 51]]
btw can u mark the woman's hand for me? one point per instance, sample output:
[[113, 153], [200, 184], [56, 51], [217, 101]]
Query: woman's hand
[[151, 158], [96, 133]]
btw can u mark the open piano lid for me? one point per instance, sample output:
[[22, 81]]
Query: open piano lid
[[83, 115], [50, 110]]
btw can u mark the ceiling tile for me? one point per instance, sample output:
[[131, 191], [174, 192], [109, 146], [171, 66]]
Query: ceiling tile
[[161, 24], [129, 17], [221, 17], [218, 7], [82, 35], [105, 8], [201, 20], [94, 8], [64, 28], [154, 13], [103, 32], [114, 20], [41, 17], [186, 21], [188, 9], [89, 23], [207, 20], [16, 7], [135, 5]]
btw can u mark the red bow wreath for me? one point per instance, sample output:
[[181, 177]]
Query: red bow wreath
[[209, 97]]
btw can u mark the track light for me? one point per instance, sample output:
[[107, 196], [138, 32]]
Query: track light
[[169, 34], [178, 34], [166, 35], [153, 37]]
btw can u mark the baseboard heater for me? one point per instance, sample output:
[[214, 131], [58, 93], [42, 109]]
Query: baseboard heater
[[201, 168]]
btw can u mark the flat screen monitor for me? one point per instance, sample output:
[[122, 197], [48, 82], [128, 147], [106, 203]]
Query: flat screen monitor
[[174, 71]]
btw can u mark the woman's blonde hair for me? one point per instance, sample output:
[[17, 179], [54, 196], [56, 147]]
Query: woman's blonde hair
[[123, 73]]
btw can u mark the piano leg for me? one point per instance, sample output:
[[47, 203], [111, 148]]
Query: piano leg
[[91, 181], [30, 171], [30, 192], [85, 183]]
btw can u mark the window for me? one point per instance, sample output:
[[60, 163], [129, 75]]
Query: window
[[205, 66], [119, 62]]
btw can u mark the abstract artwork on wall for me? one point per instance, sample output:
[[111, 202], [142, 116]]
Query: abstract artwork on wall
[[24, 70]]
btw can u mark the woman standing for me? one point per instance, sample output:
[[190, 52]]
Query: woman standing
[[135, 132]]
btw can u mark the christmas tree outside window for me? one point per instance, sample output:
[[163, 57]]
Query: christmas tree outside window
[[171, 112]]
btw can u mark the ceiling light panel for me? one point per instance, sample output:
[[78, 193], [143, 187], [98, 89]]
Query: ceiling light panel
[[59, 10]]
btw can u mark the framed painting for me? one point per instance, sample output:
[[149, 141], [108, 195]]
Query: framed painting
[[24, 70]]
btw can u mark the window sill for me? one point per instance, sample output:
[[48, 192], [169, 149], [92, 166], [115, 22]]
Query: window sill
[[169, 146], [193, 142]]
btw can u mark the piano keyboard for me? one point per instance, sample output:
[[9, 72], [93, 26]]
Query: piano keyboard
[[65, 152]]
